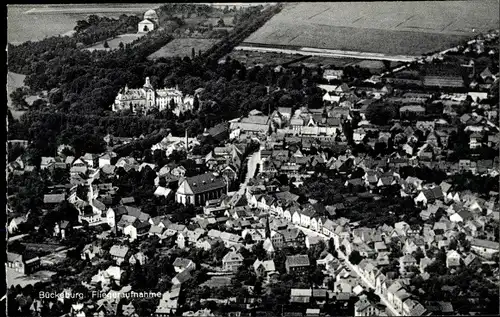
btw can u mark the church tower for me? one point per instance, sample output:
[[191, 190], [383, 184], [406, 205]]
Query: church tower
[[150, 94]]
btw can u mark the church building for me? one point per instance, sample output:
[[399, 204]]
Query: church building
[[199, 189]]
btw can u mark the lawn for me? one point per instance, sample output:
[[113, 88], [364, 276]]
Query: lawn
[[183, 47], [398, 28], [250, 58], [115, 42]]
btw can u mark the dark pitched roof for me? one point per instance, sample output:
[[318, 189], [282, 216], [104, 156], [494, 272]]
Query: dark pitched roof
[[53, 198], [203, 183], [182, 262], [298, 260], [290, 234], [183, 276], [434, 193], [218, 129]]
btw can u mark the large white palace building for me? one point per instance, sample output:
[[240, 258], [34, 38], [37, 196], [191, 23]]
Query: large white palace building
[[144, 99]]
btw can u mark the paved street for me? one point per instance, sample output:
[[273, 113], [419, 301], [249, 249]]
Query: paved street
[[353, 268], [20, 236], [252, 162]]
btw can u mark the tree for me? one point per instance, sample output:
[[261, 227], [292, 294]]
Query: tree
[[257, 290], [18, 98], [355, 257], [121, 45], [380, 114], [193, 53], [82, 192], [106, 45], [172, 104], [419, 254], [196, 103], [221, 23], [317, 276], [248, 239]]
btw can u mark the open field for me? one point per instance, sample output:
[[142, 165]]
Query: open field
[[182, 47], [251, 58], [36, 22], [115, 42], [323, 52], [92, 8], [393, 28]]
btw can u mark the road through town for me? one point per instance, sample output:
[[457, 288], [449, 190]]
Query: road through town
[[252, 162], [353, 268]]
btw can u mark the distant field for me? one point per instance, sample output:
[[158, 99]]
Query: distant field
[[115, 43], [183, 47], [401, 28], [36, 22], [252, 58]]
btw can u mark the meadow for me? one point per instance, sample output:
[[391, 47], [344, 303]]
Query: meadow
[[183, 47], [35, 22], [399, 28], [115, 42]]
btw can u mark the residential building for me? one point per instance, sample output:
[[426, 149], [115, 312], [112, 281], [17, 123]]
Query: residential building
[[232, 261]]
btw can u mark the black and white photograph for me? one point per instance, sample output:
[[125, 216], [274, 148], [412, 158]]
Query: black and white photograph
[[252, 159]]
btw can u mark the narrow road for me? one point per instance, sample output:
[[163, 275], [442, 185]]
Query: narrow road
[[252, 162], [14, 238], [353, 268]]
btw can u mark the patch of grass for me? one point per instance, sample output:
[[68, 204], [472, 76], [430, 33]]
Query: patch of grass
[[183, 47], [115, 42]]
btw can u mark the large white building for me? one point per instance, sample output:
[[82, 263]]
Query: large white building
[[149, 23], [147, 98]]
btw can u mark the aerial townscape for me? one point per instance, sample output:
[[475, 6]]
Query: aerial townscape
[[253, 159]]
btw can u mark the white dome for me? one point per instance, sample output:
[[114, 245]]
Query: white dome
[[150, 14]]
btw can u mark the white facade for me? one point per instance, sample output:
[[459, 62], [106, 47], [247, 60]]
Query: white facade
[[147, 98], [145, 26]]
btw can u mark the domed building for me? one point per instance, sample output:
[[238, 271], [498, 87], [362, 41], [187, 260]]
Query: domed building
[[151, 15], [149, 23]]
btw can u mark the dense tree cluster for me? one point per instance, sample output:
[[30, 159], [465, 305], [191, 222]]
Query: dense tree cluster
[[81, 82], [97, 28], [473, 285], [366, 208]]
